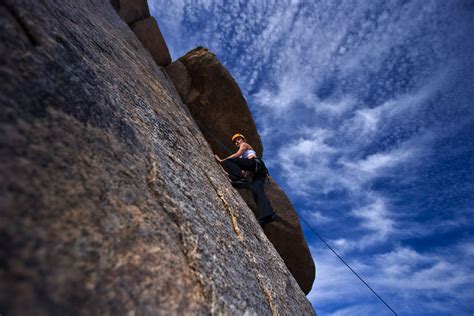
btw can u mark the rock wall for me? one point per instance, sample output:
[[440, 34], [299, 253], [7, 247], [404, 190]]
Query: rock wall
[[111, 200], [137, 15], [131, 10], [218, 106]]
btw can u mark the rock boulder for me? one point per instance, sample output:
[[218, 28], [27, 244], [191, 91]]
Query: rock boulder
[[131, 10], [180, 77], [149, 34], [216, 102]]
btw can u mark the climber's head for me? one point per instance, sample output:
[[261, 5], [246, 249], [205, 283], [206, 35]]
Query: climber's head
[[237, 139]]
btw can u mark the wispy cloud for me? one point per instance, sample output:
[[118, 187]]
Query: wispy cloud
[[376, 218], [315, 217], [402, 274]]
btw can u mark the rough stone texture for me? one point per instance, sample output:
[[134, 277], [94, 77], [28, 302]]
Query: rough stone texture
[[131, 10], [149, 34], [216, 102], [286, 235], [180, 78], [111, 200]]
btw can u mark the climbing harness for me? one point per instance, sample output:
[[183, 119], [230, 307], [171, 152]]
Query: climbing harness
[[258, 163], [260, 166]]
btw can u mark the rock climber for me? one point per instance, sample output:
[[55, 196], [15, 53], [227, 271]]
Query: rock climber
[[246, 159]]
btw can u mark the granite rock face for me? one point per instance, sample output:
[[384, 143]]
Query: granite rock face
[[111, 200]]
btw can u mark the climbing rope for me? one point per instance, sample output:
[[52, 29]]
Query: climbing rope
[[215, 138], [343, 261], [318, 235]]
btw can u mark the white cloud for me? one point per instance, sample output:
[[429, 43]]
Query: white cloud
[[315, 217], [377, 219], [292, 89], [408, 280], [365, 121], [376, 165], [335, 107], [406, 269]]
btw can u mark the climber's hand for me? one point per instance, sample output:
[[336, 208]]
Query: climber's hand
[[218, 159]]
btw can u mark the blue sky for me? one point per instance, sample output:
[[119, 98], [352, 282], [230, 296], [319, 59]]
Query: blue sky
[[366, 112]]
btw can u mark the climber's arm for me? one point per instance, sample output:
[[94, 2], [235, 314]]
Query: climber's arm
[[242, 149]]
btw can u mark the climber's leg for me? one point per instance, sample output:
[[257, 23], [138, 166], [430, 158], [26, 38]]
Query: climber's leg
[[266, 213], [234, 167]]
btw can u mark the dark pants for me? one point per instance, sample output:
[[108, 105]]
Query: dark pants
[[234, 167]]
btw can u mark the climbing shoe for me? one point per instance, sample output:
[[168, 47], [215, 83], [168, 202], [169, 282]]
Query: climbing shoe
[[267, 219], [241, 184]]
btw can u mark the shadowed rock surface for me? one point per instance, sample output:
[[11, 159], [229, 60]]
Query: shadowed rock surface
[[111, 200], [149, 34], [180, 77], [216, 102], [131, 10], [137, 15]]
